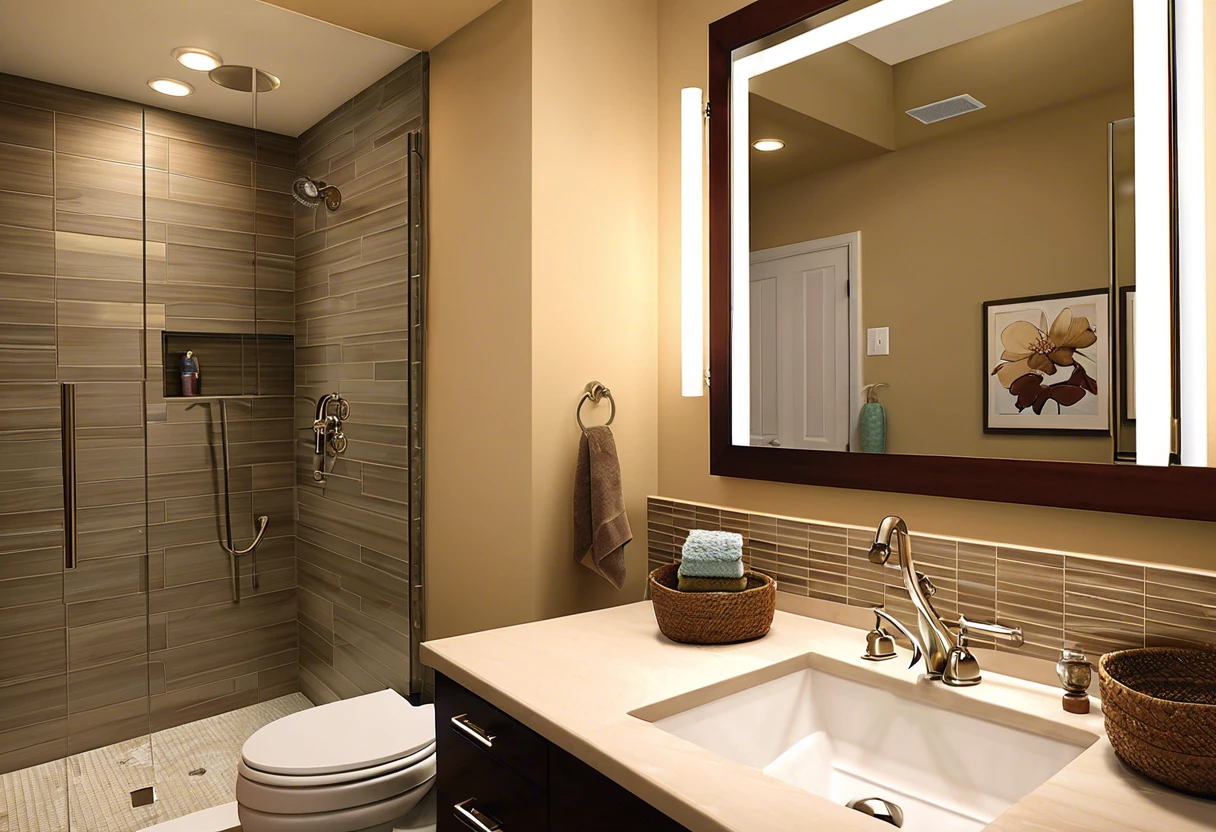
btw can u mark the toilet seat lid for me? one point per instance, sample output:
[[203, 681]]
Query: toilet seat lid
[[348, 735]]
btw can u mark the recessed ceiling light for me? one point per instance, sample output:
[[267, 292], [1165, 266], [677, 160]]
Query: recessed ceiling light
[[768, 145], [167, 86], [191, 57]]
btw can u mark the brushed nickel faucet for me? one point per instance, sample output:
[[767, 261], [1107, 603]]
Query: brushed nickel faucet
[[327, 430], [946, 656]]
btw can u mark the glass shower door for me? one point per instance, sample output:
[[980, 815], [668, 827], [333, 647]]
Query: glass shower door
[[33, 637], [100, 362], [73, 555]]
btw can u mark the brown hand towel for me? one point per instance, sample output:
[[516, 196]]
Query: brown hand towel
[[689, 584], [601, 527]]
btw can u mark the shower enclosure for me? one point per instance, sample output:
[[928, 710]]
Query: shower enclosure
[[140, 643]]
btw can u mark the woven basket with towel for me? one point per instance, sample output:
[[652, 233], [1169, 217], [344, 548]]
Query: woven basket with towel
[[708, 598]]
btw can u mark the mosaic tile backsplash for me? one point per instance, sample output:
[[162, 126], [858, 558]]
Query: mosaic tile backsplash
[[1059, 600]]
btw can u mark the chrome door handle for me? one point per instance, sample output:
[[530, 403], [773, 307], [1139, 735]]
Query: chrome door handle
[[462, 724], [475, 819], [67, 417]]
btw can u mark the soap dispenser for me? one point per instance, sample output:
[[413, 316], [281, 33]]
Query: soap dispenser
[[873, 422], [1074, 673], [190, 371]]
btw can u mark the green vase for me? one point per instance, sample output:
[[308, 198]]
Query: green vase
[[873, 428]]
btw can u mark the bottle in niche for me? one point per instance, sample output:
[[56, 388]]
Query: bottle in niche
[[189, 374]]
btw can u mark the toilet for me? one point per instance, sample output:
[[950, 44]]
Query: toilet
[[351, 766]]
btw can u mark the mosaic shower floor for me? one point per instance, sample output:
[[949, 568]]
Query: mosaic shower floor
[[195, 768]]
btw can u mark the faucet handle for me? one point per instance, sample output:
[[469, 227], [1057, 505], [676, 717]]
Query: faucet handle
[[962, 668], [917, 650], [926, 585], [967, 627]]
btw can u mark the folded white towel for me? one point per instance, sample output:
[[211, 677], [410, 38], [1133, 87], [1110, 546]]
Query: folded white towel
[[710, 554]]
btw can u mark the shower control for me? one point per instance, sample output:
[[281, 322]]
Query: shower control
[[332, 411]]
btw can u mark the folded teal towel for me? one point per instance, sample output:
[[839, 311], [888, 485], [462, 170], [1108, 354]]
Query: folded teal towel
[[709, 554]]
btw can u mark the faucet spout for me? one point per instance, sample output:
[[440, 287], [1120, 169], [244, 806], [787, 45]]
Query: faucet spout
[[891, 525], [936, 640], [946, 656]]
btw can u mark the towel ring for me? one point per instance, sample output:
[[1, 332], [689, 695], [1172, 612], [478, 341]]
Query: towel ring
[[594, 393]]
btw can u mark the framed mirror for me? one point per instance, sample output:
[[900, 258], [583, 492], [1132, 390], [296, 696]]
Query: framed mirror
[[954, 250]]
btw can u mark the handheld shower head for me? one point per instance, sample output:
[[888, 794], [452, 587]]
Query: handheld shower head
[[312, 193]]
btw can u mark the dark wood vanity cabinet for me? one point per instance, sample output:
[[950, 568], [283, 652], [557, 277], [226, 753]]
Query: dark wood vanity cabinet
[[496, 775]]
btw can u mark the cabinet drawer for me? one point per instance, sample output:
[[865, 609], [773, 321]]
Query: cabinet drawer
[[583, 800], [480, 784], [461, 714]]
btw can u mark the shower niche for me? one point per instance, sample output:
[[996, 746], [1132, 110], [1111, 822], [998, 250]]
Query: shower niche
[[228, 364]]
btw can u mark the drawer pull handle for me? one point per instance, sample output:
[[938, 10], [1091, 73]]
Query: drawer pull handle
[[462, 724], [475, 819]]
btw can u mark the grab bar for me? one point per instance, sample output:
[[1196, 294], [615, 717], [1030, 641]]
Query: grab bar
[[263, 521], [67, 418]]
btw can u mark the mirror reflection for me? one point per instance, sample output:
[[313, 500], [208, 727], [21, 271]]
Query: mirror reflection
[[942, 237]]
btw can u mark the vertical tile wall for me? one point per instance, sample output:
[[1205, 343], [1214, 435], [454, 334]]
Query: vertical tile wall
[[72, 308], [219, 211], [1096, 604], [353, 283]]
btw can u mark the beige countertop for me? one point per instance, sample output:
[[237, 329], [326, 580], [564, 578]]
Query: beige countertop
[[592, 684]]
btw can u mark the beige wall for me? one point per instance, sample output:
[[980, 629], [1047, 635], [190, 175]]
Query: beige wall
[[479, 343], [594, 280], [1011, 209], [684, 423], [543, 251]]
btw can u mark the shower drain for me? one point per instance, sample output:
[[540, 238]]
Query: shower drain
[[198, 772]]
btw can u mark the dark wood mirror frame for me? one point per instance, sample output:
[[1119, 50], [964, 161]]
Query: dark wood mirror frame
[[1173, 491]]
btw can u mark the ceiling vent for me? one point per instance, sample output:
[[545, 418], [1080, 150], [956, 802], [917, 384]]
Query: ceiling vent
[[947, 108]]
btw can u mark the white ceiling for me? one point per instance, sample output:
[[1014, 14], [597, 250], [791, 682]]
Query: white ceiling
[[114, 46], [949, 24]]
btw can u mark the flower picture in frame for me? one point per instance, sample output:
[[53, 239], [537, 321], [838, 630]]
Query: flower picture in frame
[[1047, 365]]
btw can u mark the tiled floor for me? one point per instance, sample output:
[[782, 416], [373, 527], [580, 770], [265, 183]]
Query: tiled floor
[[195, 766]]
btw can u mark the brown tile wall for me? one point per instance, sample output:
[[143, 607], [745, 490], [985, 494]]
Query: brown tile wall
[[354, 316], [1058, 599], [219, 198], [76, 645]]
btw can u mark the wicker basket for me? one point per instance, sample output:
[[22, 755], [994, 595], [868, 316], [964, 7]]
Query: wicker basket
[[712, 617], [1160, 708]]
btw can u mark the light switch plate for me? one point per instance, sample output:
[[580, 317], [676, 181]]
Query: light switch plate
[[878, 341]]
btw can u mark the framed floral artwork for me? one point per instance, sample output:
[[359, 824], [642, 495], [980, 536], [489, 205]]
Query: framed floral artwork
[[1047, 364]]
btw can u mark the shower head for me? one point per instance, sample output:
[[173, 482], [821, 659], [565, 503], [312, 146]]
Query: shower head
[[311, 193]]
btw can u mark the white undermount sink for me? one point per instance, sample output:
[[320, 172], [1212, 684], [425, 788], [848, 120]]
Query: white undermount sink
[[948, 772]]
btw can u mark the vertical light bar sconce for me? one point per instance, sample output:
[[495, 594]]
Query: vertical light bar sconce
[[1192, 231], [692, 242], [1154, 383]]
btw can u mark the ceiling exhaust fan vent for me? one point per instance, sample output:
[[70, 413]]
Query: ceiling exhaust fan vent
[[944, 109]]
